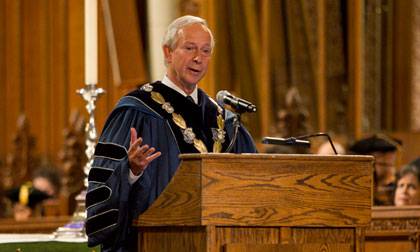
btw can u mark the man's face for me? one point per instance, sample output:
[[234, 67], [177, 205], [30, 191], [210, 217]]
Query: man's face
[[187, 62], [385, 164]]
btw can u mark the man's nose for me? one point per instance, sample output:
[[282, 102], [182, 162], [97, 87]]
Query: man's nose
[[197, 57]]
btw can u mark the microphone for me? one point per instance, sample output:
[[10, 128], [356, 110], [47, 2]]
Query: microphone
[[298, 141], [223, 97], [286, 141]]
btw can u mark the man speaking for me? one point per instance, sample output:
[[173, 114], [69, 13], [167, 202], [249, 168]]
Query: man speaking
[[138, 150]]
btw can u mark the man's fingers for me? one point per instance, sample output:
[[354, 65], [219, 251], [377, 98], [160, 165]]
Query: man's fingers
[[134, 141], [142, 150], [149, 151], [153, 157], [141, 157], [134, 145], [133, 135]]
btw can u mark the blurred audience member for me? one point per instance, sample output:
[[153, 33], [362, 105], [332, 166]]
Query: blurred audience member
[[416, 163], [407, 190], [47, 180], [384, 149], [26, 198]]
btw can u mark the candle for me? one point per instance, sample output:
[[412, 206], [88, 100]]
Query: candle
[[91, 41]]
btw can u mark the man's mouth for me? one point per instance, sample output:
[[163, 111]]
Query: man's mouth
[[194, 70]]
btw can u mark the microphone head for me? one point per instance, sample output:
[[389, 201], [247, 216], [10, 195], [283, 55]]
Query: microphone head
[[220, 97]]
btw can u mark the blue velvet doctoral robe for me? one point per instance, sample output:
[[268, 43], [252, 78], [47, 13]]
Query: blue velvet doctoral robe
[[111, 202]]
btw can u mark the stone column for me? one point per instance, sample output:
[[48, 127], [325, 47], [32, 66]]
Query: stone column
[[160, 15]]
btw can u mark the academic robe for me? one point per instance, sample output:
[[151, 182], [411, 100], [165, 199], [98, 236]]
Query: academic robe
[[111, 202]]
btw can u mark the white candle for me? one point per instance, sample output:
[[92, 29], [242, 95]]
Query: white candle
[[91, 41]]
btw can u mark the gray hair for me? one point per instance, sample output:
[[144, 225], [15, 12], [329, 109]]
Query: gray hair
[[171, 36], [409, 169]]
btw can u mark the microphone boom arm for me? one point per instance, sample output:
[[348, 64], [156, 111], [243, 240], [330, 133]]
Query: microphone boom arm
[[319, 134], [236, 125]]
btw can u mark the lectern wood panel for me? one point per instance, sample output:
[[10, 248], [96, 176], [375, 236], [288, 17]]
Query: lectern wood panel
[[261, 202], [284, 192], [180, 202], [266, 190]]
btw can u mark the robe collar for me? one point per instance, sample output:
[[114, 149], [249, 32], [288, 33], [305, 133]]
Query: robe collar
[[167, 82]]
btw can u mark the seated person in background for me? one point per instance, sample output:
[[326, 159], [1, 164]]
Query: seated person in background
[[384, 149], [416, 163], [407, 190], [26, 198], [26, 201], [47, 180]]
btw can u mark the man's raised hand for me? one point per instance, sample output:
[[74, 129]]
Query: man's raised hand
[[139, 156]]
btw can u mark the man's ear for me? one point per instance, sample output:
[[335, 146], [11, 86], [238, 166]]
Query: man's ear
[[167, 53]]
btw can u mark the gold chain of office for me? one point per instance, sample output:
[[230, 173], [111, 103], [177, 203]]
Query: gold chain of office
[[187, 132]]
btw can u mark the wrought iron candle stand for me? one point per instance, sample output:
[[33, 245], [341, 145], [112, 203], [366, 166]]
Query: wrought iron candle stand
[[90, 93]]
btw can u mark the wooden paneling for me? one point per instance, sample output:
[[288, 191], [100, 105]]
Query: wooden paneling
[[410, 148], [238, 239], [173, 239], [264, 91], [42, 66], [355, 27], [13, 66], [287, 248], [126, 34], [390, 245], [321, 67], [402, 64], [2, 80], [34, 64], [253, 235], [58, 38], [75, 53], [318, 235]]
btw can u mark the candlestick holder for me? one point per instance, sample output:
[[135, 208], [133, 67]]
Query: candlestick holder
[[76, 228]]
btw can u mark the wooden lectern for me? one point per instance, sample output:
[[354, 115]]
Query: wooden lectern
[[261, 202]]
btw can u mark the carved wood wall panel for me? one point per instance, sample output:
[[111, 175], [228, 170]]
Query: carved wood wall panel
[[395, 224], [72, 160], [23, 159]]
